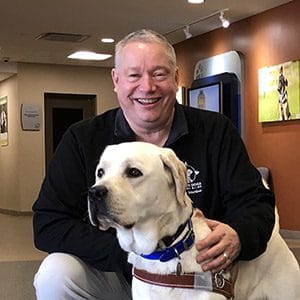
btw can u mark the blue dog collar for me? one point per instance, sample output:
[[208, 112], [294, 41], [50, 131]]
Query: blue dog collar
[[175, 250]]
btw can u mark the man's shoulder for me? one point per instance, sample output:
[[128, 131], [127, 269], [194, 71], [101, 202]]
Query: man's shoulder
[[99, 122], [96, 131], [204, 118]]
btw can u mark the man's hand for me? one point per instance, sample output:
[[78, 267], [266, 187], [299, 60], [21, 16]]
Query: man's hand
[[220, 248]]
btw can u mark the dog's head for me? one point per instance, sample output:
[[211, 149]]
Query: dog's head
[[140, 188]]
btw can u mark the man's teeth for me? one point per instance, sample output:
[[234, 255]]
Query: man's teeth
[[147, 101]]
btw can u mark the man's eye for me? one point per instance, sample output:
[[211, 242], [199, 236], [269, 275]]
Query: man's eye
[[160, 75], [133, 77], [133, 172], [100, 173]]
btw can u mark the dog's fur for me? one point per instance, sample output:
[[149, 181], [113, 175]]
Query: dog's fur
[[140, 190]]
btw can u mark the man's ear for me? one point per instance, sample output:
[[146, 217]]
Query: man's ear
[[178, 172], [177, 76], [115, 78]]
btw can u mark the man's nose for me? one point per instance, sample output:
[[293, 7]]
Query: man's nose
[[147, 84]]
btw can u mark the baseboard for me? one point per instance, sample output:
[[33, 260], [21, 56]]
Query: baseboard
[[290, 234], [12, 212]]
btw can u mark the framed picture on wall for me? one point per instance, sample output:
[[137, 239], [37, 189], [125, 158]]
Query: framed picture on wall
[[3, 121], [279, 92]]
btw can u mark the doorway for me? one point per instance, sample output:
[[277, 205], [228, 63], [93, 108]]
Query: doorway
[[62, 110]]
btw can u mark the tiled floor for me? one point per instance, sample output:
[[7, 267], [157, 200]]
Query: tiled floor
[[16, 239]]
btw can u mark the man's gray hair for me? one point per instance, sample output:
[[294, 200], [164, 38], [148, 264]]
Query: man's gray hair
[[146, 36]]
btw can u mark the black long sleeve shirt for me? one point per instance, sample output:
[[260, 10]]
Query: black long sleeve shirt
[[222, 182]]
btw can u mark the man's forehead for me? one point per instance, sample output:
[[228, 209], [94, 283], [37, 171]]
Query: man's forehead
[[139, 48]]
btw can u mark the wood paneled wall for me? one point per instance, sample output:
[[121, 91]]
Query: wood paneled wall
[[267, 39]]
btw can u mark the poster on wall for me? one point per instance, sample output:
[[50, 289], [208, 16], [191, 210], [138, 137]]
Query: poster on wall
[[279, 92], [30, 117], [3, 121]]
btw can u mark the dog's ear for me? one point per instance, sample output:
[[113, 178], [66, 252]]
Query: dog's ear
[[178, 171]]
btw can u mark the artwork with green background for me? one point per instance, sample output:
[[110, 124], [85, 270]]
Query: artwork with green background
[[271, 104]]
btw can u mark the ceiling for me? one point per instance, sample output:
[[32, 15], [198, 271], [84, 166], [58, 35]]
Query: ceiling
[[21, 22]]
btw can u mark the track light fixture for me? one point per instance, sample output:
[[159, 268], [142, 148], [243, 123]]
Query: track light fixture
[[186, 28], [225, 22], [186, 31]]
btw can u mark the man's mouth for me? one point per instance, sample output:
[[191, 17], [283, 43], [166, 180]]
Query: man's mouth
[[145, 101]]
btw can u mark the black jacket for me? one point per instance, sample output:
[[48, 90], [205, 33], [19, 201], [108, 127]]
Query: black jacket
[[222, 183]]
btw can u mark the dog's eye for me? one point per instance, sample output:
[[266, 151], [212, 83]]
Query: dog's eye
[[133, 172], [100, 173]]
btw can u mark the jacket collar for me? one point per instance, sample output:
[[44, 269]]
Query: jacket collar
[[123, 132]]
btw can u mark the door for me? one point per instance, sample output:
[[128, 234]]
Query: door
[[62, 110]]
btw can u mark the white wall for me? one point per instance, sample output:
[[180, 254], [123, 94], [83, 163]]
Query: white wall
[[24, 156]]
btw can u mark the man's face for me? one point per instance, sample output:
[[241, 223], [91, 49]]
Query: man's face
[[145, 82]]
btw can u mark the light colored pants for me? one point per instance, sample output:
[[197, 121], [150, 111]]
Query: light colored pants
[[63, 276]]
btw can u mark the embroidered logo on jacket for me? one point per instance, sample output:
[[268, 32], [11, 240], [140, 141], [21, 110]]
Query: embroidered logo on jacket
[[194, 184]]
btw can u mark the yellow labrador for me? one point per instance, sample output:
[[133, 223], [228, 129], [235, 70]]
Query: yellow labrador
[[140, 190]]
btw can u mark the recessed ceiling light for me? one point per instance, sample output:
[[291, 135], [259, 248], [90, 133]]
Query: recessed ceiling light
[[196, 1], [88, 55], [107, 40]]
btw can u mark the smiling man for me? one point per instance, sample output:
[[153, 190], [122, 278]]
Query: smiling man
[[86, 263], [146, 78]]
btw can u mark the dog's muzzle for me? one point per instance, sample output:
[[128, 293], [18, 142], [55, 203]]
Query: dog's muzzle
[[97, 193], [97, 203], [100, 212]]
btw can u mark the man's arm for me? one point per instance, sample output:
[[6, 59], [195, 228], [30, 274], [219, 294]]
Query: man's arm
[[249, 208], [60, 220]]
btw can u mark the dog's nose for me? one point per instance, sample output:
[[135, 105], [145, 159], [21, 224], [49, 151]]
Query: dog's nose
[[97, 192]]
